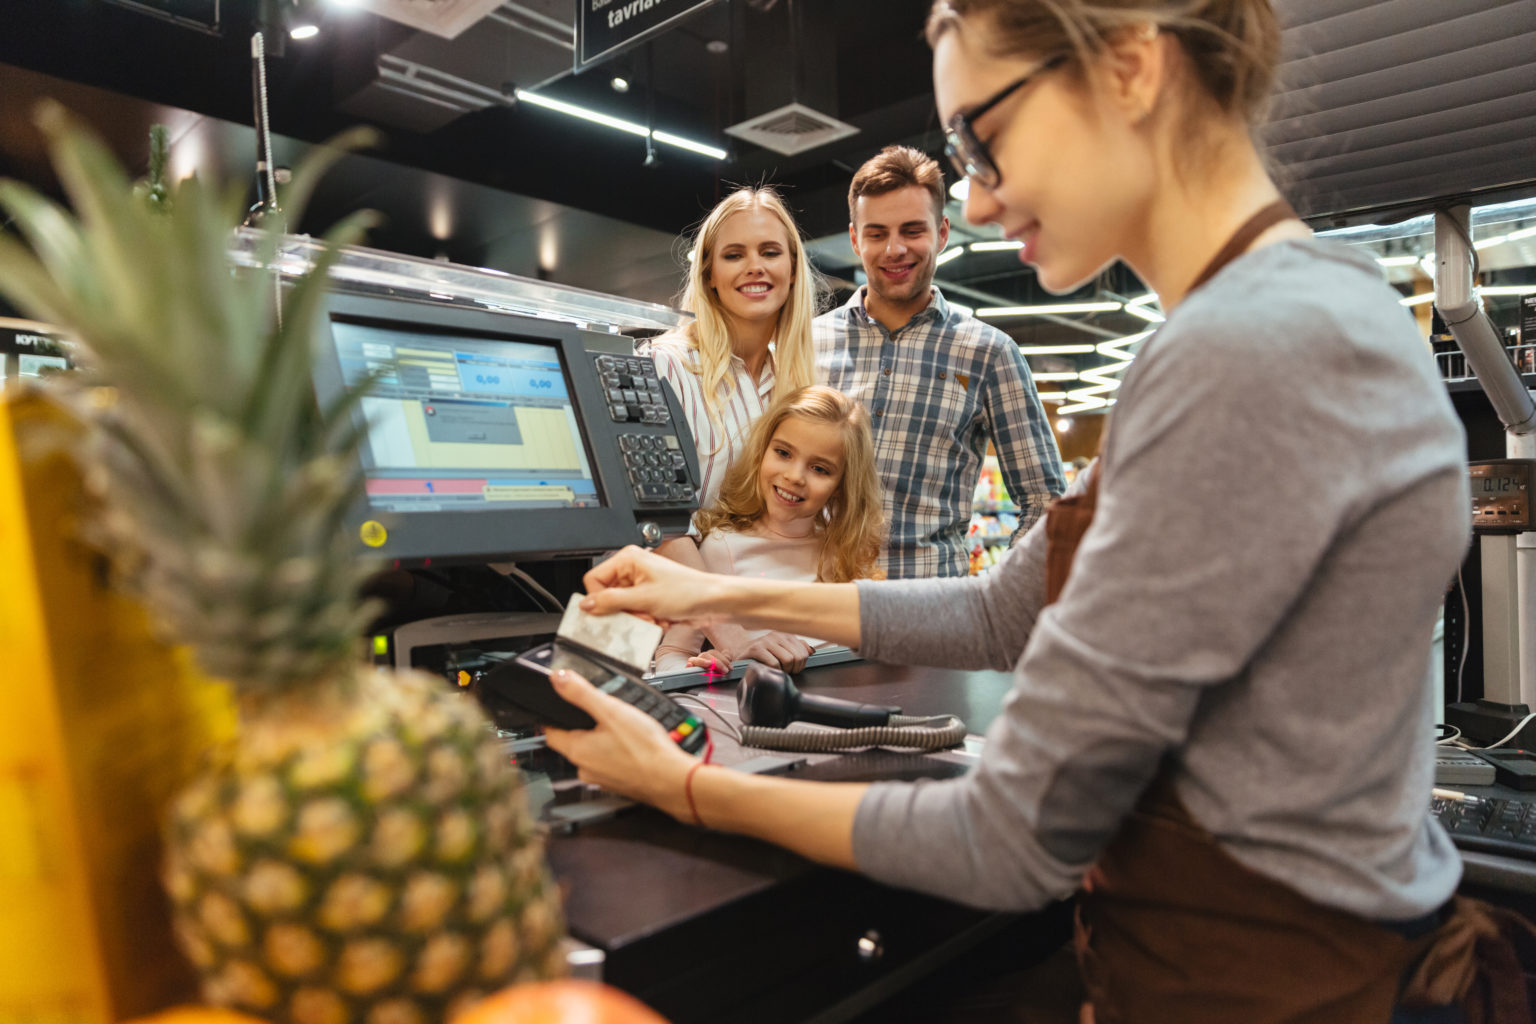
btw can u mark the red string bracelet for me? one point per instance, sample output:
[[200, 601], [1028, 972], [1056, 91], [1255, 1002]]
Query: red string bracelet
[[693, 808]]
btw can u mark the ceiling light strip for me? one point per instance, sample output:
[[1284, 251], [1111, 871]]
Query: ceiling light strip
[[1081, 394], [1058, 307], [1086, 405], [693, 147], [1115, 348], [619, 124], [997, 246], [1151, 316], [1100, 374], [1486, 291], [949, 254], [572, 110], [1055, 350]]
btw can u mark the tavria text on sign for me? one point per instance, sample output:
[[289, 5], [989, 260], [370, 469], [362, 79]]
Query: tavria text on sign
[[605, 28]]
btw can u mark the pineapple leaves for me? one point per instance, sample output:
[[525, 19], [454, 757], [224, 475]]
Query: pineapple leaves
[[271, 410], [222, 484]]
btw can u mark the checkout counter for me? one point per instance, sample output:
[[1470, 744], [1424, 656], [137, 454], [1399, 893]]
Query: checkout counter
[[708, 926]]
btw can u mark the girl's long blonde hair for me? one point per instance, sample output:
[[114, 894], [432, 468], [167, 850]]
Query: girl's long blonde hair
[[794, 359], [852, 529]]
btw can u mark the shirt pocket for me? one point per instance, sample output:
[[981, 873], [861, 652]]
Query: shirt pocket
[[953, 388]]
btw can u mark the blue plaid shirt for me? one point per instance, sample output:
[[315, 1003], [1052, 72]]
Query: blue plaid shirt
[[937, 390]]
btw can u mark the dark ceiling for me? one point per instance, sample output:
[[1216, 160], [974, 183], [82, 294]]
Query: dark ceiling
[[1385, 107], [862, 61]]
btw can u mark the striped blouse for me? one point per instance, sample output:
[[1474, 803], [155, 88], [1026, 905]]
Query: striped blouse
[[718, 442]]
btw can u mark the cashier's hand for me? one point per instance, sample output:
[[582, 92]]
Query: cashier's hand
[[646, 584], [628, 752]]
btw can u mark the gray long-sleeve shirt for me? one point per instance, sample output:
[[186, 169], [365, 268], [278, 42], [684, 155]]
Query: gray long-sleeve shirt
[[1283, 503]]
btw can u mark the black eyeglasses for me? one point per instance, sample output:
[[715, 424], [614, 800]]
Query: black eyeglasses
[[969, 154]]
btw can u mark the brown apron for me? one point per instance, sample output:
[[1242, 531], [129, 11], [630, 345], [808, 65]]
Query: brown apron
[[1172, 930]]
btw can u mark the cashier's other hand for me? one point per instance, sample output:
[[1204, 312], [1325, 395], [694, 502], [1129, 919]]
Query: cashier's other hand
[[644, 583], [628, 752]]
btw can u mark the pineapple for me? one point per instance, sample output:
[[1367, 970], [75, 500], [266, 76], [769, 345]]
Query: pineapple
[[363, 852]]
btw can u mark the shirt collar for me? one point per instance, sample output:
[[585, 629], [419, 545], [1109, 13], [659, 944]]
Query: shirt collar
[[937, 309]]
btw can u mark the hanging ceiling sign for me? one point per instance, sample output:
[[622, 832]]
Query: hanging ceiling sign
[[608, 27]]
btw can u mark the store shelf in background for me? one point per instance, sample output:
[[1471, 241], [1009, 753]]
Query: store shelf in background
[[1459, 384]]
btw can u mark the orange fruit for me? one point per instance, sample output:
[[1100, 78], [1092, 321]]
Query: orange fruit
[[566, 1001], [196, 1015]]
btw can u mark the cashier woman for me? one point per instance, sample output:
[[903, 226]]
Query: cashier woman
[[1220, 728]]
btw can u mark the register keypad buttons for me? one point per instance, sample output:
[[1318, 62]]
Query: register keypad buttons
[[633, 390], [656, 467]]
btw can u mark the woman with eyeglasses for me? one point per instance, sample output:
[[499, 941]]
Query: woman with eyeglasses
[[1221, 728]]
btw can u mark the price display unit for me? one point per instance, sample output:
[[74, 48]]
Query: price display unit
[[1501, 495]]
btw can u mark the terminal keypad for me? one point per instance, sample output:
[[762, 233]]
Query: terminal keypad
[[656, 467], [632, 390]]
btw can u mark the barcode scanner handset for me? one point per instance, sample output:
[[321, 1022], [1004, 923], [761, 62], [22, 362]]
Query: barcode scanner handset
[[768, 701]]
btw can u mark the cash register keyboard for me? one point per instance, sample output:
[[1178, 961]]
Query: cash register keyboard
[[1493, 825]]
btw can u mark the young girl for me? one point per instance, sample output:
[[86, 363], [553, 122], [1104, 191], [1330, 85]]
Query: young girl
[[801, 502]]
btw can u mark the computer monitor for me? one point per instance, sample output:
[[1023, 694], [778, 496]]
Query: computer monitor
[[494, 437]]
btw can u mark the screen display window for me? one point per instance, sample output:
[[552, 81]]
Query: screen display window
[[464, 424]]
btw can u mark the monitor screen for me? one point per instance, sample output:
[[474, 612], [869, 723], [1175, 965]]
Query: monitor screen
[[489, 437], [464, 423]]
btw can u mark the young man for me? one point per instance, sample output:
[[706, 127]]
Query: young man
[[938, 385]]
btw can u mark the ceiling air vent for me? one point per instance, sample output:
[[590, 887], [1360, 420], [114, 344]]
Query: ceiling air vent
[[446, 18], [791, 129]]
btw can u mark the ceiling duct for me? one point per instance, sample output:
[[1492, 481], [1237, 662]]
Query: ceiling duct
[[445, 18], [790, 72], [421, 82], [791, 129]]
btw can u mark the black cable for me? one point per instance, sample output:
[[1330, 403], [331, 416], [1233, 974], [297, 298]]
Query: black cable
[[725, 725]]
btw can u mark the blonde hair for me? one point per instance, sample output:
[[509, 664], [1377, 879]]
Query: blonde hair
[[794, 359], [853, 527], [1233, 46]]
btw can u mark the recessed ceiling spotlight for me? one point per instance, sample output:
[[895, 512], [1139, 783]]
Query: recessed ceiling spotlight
[[302, 30], [960, 189], [717, 46], [619, 83]]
